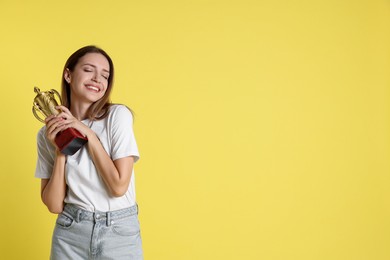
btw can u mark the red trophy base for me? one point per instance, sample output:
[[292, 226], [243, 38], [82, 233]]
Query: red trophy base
[[70, 141]]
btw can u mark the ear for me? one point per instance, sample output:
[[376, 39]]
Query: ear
[[67, 75]]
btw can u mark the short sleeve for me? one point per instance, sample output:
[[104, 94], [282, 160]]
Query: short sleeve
[[45, 161], [123, 143]]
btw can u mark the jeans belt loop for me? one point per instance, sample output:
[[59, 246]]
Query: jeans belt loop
[[78, 215], [108, 219]]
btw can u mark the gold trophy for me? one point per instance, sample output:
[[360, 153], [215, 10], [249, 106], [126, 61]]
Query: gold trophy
[[68, 141]]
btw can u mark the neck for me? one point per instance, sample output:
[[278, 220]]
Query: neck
[[79, 110]]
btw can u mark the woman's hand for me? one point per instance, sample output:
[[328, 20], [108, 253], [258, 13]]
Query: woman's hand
[[53, 127], [71, 122], [62, 121]]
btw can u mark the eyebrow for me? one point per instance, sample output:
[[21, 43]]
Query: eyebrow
[[89, 64]]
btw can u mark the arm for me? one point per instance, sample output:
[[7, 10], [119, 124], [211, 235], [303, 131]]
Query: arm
[[53, 190], [116, 174]]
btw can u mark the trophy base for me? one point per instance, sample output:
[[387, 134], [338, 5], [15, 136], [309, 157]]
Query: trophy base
[[70, 141]]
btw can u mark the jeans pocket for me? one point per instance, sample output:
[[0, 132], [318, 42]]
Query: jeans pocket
[[64, 221], [127, 226]]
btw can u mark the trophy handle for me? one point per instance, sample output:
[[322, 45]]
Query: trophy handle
[[36, 115], [58, 95]]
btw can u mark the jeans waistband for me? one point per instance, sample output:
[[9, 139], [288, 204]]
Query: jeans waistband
[[79, 214]]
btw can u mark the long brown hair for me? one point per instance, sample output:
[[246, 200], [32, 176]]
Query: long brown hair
[[98, 109]]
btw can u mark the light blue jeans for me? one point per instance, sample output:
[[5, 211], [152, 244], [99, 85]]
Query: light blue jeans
[[80, 234]]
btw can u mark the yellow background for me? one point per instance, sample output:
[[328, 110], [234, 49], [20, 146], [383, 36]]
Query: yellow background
[[263, 126]]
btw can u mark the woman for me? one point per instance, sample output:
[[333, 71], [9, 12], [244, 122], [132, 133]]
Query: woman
[[93, 191]]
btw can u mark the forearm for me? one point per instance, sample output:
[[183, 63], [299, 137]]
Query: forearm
[[116, 182], [54, 192]]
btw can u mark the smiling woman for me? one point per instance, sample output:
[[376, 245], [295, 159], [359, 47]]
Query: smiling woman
[[89, 66], [89, 81], [93, 191]]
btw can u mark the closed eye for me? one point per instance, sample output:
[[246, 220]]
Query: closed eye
[[88, 68]]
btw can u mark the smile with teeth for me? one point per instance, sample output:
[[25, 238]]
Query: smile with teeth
[[90, 87]]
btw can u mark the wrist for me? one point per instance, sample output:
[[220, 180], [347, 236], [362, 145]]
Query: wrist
[[90, 134], [58, 152], [60, 155]]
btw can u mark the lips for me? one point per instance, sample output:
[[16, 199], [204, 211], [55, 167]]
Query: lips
[[93, 87]]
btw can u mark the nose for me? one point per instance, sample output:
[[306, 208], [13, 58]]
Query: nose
[[95, 77]]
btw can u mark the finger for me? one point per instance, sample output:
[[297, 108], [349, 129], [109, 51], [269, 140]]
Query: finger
[[64, 115], [59, 129], [47, 119], [53, 121], [52, 136], [54, 124], [64, 109], [51, 118]]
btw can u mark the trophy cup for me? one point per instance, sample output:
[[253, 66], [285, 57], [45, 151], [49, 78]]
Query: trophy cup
[[69, 141]]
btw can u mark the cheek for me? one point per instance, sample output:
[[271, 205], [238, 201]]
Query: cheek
[[104, 91]]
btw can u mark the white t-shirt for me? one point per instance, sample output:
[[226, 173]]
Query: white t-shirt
[[86, 188]]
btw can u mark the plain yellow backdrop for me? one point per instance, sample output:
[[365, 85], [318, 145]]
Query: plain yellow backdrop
[[263, 126]]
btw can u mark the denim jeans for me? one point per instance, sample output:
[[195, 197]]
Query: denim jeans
[[80, 234]]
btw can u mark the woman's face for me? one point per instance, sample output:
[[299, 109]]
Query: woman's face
[[89, 79]]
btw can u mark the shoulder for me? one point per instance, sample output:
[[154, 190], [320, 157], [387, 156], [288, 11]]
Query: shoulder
[[41, 133], [119, 110]]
